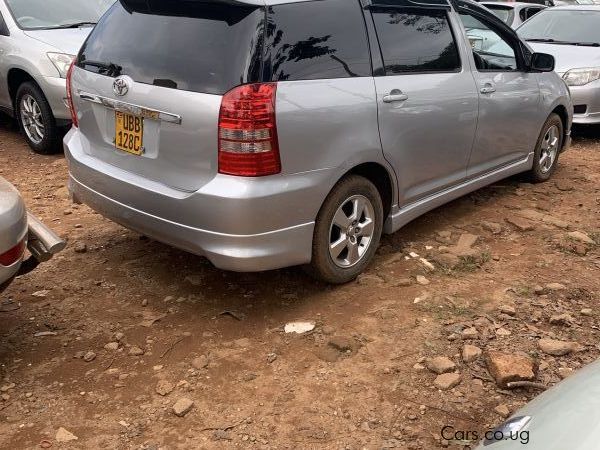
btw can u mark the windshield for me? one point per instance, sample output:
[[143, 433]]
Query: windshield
[[48, 14], [564, 25], [506, 15]]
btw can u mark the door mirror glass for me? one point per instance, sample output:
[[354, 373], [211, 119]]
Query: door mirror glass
[[542, 62]]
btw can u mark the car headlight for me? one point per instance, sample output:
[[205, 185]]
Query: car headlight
[[62, 62], [579, 77]]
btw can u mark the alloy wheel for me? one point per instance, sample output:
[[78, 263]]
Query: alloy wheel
[[351, 231], [31, 118], [549, 149]]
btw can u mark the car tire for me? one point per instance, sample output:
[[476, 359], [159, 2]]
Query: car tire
[[35, 119], [352, 217], [547, 150]]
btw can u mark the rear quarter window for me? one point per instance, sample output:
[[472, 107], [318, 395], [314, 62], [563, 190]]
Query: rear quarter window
[[316, 40], [195, 46], [415, 40]]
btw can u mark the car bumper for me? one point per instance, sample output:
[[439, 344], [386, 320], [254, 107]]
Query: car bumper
[[55, 90], [586, 102], [238, 224]]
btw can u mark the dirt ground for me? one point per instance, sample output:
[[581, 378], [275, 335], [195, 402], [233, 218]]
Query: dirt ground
[[177, 325]]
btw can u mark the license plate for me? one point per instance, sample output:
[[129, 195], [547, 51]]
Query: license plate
[[129, 133]]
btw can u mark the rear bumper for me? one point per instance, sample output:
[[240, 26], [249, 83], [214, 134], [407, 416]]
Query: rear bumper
[[243, 225]]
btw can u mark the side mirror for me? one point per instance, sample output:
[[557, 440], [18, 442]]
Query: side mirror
[[542, 62]]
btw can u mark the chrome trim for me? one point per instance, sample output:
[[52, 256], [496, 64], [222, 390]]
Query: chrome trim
[[117, 105]]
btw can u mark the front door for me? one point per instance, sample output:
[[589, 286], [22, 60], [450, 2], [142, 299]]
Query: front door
[[509, 96], [427, 99]]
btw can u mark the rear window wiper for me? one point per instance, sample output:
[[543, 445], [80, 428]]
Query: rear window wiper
[[104, 68], [75, 25]]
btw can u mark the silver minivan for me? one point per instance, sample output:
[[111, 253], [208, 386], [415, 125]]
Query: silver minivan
[[270, 133]]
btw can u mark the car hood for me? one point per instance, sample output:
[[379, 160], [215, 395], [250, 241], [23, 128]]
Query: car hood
[[13, 222], [569, 56], [566, 416], [68, 40]]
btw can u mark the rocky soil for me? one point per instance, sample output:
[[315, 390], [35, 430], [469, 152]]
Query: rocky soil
[[122, 342]]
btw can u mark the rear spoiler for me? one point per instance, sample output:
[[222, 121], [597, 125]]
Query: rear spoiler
[[186, 8]]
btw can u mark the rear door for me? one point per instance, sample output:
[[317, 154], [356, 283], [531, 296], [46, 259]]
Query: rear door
[[426, 97], [149, 80]]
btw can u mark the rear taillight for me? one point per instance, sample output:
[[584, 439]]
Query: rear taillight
[[70, 96], [13, 255], [248, 144]]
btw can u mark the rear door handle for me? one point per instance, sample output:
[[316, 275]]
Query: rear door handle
[[396, 95], [488, 88]]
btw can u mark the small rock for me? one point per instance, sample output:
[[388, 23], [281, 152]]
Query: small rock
[[119, 336], [80, 247], [561, 319], [63, 435], [508, 310], [447, 381], [41, 294], [557, 348], [145, 302], [402, 282], [271, 357], [7, 387], [422, 280], [299, 327], [503, 332], [419, 367], [586, 312], [182, 407], [164, 387], [555, 287], [89, 356], [470, 353], [469, 333], [136, 351], [447, 260], [520, 224], [492, 227], [440, 365], [502, 411], [565, 372], [201, 362], [507, 367], [581, 237], [112, 346]]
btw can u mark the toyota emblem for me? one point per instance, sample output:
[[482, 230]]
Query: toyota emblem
[[120, 86]]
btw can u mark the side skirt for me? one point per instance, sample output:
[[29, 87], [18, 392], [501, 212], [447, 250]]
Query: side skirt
[[401, 216]]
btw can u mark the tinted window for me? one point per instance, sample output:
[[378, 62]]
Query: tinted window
[[184, 44], [415, 41], [490, 50], [563, 25], [320, 39]]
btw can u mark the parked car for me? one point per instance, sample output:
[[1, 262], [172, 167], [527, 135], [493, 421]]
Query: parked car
[[573, 2], [513, 14], [295, 133], [572, 35], [38, 41], [19, 230], [564, 417]]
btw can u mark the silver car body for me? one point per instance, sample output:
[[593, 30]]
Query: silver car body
[[564, 417], [24, 53], [13, 226], [574, 57], [326, 129]]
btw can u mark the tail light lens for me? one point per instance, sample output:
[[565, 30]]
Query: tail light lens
[[248, 144], [13, 255], [70, 96]]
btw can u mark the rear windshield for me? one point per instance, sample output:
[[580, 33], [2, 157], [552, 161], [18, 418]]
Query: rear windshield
[[184, 44], [503, 13], [563, 26]]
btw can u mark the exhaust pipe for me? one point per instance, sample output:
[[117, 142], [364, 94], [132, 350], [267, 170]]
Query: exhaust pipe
[[43, 243]]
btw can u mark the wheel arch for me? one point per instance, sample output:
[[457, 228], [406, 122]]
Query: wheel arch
[[15, 78], [381, 177], [562, 112]]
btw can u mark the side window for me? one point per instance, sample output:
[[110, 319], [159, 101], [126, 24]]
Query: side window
[[492, 53], [415, 41], [532, 12], [3, 27], [321, 39]]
